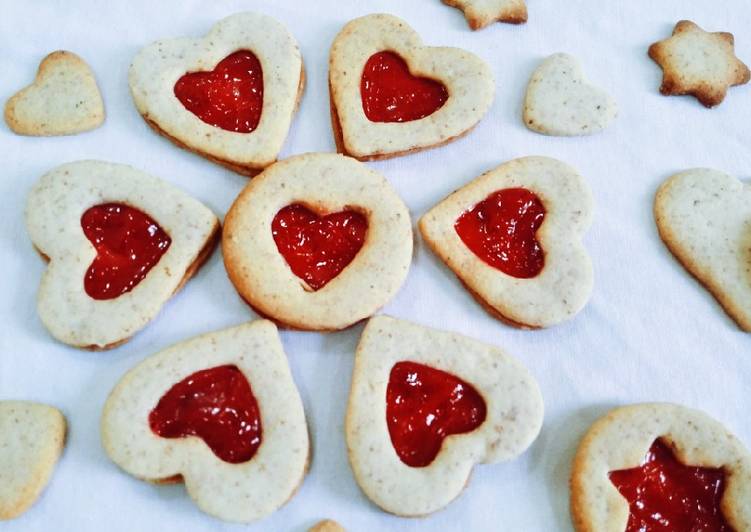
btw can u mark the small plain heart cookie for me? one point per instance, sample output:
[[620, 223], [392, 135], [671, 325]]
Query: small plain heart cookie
[[391, 95], [229, 96], [704, 218], [32, 437], [119, 243], [219, 412], [660, 466], [482, 13], [513, 237], [426, 406], [63, 99], [317, 242], [560, 101]]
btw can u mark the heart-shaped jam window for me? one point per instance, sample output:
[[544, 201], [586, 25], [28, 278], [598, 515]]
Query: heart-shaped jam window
[[665, 495], [390, 93], [128, 244], [218, 406], [424, 405], [317, 248], [501, 231], [229, 97]]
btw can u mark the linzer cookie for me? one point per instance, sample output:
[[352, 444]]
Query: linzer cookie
[[229, 96], [219, 412], [699, 63], [513, 237], [660, 467], [32, 437], [119, 243], [318, 242], [482, 13], [63, 99], [703, 217], [391, 95], [560, 101], [426, 406]]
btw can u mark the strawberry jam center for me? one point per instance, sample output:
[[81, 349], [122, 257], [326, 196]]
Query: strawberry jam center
[[317, 248], [665, 495], [229, 97], [390, 93], [128, 244], [501, 231], [424, 405], [218, 406]]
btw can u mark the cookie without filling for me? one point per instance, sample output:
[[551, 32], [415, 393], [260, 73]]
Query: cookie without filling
[[482, 13]]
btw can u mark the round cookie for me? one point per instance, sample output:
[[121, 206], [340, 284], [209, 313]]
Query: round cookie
[[324, 185], [619, 442], [234, 486], [58, 208]]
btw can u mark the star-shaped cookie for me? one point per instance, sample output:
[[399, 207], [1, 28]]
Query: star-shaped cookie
[[698, 63], [481, 13]]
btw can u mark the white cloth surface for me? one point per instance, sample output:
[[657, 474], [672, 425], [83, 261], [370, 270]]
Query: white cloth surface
[[649, 333]]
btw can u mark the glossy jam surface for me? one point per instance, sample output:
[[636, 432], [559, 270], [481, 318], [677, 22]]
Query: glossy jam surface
[[317, 248], [501, 231], [216, 405], [666, 496], [229, 97], [128, 244], [390, 93], [423, 406]]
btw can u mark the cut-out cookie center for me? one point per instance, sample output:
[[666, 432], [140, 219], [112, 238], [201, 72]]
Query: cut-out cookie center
[[317, 248], [128, 244], [229, 97], [424, 405], [665, 495], [390, 93], [501, 231], [218, 406]]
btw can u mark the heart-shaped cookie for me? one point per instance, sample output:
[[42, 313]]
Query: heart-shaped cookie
[[219, 412], [481, 13], [318, 242], [513, 237], [704, 218], [426, 406], [391, 95], [229, 96], [63, 99], [560, 101], [119, 242], [32, 437]]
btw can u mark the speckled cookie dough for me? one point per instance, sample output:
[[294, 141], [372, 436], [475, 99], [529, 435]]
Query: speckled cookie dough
[[704, 218], [560, 101], [563, 286], [156, 69], [53, 219], [63, 99], [327, 525], [467, 78], [325, 183], [699, 63], [32, 437], [621, 439], [514, 415], [240, 492], [482, 13]]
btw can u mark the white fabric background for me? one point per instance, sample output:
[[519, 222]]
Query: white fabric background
[[650, 332]]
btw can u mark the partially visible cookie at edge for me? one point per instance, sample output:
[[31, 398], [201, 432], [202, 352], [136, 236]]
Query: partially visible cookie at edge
[[482, 13]]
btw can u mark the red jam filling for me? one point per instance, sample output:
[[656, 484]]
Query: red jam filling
[[501, 231], [229, 97], [317, 248], [390, 93], [423, 406], [218, 406], [128, 244], [666, 496]]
